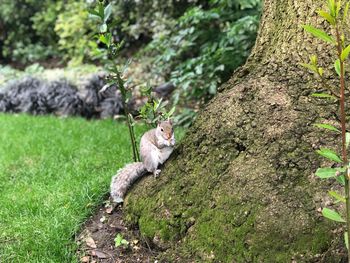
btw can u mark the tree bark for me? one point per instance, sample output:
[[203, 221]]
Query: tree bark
[[241, 186]]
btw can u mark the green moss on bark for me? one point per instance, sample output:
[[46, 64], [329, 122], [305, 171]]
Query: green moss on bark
[[240, 187]]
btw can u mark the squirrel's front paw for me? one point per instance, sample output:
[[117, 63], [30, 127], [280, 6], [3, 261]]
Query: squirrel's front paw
[[156, 173], [172, 142]]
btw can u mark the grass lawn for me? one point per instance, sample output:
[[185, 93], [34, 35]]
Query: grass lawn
[[53, 173]]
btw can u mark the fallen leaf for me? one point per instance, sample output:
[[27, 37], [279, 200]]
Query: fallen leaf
[[90, 242], [109, 210], [102, 219], [85, 259], [136, 248], [100, 254]]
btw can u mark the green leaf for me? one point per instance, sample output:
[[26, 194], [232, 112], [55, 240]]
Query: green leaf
[[171, 112], [331, 7], [94, 14], [320, 71], [327, 17], [345, 53], [323, 96], [337, 8], [101, 10], [325, 173], [326, 126], [107, 12], [340, 179], [332, 215], [319, 34], [337, 196], [157, 104], [103, 39], [337, 66], [313, 59], [109, 39], [347, 139], [309, 66], [118, 239], [126, 66], [346, 10], [131, 120], [346, 240], [106, 39], [146, 90], [124, 242], [329, 154], [103, 28]]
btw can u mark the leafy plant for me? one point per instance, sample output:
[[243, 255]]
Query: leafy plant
[[154, 110], [75, 32], [116, 73], [32, 52], [201, 48], [44, 20], [120, 241], [18, 37], [335, 15], [141, 21], [36, 30]]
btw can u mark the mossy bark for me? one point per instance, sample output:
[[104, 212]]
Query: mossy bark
[[241, 185]]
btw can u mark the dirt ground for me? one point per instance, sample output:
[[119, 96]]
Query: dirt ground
[[96, 241]]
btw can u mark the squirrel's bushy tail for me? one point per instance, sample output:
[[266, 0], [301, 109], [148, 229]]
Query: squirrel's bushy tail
[[124, 178]]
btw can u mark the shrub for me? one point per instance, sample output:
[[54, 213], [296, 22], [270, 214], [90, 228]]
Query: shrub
[[75, 32], [16, 26], [36, 30], [45, 19], [141, 20], [201, 48], [31, 52]]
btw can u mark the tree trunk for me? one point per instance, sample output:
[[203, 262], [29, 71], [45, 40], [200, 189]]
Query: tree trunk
[[241, 186]]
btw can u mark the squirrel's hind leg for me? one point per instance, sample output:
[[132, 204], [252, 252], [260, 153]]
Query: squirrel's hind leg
[[151, 165]]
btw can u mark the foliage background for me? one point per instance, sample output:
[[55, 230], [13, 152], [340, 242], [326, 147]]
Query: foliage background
[[194, 44]]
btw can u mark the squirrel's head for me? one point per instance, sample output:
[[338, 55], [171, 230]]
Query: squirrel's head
[[165, 129]]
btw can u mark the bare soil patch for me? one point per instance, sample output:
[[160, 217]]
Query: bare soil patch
[[96, 240]]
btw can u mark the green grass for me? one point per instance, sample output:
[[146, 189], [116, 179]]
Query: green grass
[[53, 173]]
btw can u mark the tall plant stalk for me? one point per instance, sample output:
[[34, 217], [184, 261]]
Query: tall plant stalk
[[129, 122], [343, 132], [102, 14], [341, 174]]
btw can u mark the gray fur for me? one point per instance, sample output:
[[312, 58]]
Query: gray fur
[[124, 178], [155, 149]]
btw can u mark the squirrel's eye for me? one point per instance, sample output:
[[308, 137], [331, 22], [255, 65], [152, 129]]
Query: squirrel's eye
[[162, 129]]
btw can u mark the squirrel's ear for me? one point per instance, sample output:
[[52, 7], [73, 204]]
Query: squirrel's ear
[[170, 121]]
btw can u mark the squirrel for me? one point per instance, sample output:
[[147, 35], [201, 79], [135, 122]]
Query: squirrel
[[156, 145]]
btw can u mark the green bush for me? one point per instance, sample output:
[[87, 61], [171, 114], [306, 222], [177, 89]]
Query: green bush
[[16, 26], [44, 21], [32, 30], [201, 48], [141, 20], [31, 52], [75, 32]]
